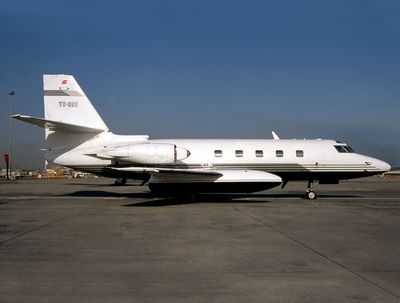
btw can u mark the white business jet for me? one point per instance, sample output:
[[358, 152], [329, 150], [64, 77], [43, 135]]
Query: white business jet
[[77, 137]]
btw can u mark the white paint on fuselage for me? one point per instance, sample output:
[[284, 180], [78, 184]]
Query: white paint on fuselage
[[319, 155]]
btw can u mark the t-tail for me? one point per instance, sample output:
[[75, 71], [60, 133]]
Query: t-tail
[[74, 130], [69, 116]]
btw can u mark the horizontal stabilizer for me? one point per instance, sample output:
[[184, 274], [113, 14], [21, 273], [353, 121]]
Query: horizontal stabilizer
[[57, 126]]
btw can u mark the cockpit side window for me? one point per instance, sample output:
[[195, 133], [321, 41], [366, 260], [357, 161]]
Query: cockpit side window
[[344, 149], [340, 149], [349, 149]]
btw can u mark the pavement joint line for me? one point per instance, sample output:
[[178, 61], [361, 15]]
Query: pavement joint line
[[45, 225], [357, 274], [121, 273]]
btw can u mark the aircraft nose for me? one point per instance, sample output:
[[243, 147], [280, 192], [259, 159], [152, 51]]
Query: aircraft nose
[[382, 165]]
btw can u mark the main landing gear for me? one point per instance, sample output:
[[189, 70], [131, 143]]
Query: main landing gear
[[120, 181], [310, 194]]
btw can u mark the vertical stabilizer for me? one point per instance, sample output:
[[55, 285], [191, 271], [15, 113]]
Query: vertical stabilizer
[[65, 101]]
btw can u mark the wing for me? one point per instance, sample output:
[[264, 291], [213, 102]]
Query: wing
[[172, 171], [183, 181]]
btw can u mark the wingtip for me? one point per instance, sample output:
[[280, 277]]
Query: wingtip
[[16, 116]]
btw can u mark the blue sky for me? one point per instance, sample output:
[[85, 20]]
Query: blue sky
[[210, 69]]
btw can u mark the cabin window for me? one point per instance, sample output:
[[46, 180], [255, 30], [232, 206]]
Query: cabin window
[[239, 153], [259, 153], [217, 153], [299, 153], [279, 153], [344, 149]]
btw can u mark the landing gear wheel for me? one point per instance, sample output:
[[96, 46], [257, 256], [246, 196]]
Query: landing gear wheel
[[311, 195], [120, 181]]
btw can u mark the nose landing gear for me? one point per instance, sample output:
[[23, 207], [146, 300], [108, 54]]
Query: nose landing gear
[[310, 194]]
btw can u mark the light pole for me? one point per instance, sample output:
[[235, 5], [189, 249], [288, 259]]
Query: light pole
[[10, 94]]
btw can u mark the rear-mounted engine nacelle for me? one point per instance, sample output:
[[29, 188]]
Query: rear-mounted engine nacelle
[[149, 153]]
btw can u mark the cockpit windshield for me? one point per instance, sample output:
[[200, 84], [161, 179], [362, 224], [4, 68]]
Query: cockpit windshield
[[344, 149]]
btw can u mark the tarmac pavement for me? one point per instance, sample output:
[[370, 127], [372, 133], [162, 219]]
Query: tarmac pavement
[[84, 240]]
